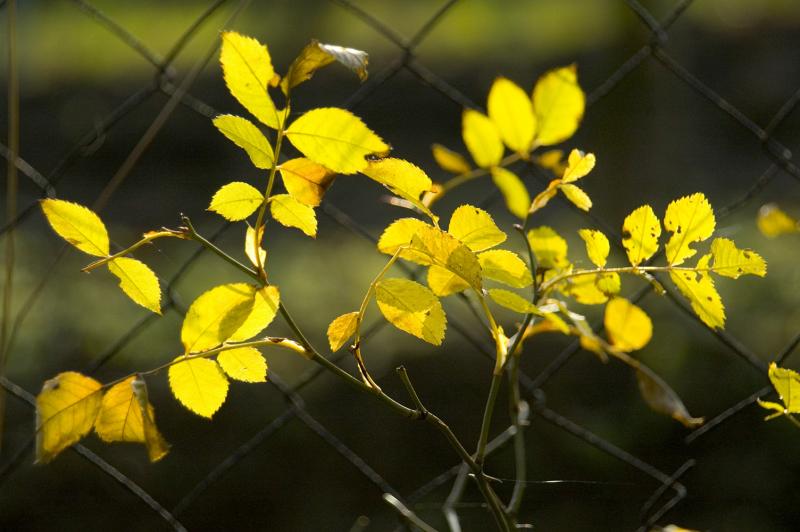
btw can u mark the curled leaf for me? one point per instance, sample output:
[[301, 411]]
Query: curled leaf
[[663, 399]]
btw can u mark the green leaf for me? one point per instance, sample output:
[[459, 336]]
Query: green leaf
[[412, 308], [247, 136], [732, 262], [336, 139], [481, 138], [244, 364], [505, 267], [512, 112], [558, 103], [475, 228], [690, 219], [199, 384], [640, 232], [138, 282], [236, 201], [77, 225], [291, 213], [514, 192]]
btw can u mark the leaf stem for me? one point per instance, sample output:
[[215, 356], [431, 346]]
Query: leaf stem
[[146, 239], [547, 286], [192, 234], [459, 180]]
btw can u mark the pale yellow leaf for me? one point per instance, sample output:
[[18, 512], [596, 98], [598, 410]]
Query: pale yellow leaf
[[138, 282], [412, 308], [247, 68], [402, 178], [628, 327], [77, 225], [663, 399], [481, 138], [513, 301], [505, 267], [265, 303], [306, 180], [586, 289], [549, 248], [400, 233], [512, 112], [544, 197], [552, 160], [66, 410], [597, 246], [247, 136], [578, 165], [731, 261], [236, 201], [341, 330], [698, 288], [449, 160], [577, 196], [250, 246], [773, 222], [787, 384], [443, 282], [336, 139], [199, 384], [447, 252], [514, 192], [558, 103], [475, 228], [640, 232], [609, 283], [216, 315], [245, 364], [690, 219], [291, 213]]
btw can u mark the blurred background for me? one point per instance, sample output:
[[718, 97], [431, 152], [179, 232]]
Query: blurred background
[[702, 103]]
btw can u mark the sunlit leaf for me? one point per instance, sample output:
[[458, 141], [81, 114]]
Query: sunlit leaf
[[447, 252], [216, 315], [66, 410], [549, 248], [597, 246], [640, 232], [291, 213], [402, 178], [138, 282], [449, 160], [608, 282], [412, 308], [247, 68], [787, 384], [336, 139], [264, 307], [341, 330], [514, 192], [544, 197], [77, 225], [731, 261], [481, 138], [772, 221], [558, 103], [578, 165], [663, 399], [577, 196], [690, 219], [552, 160], [512, 112], [443, 282], [586, 288], [247, 136], [245, 364], [698, 288], [306, 180], [316, 55], [513, 301], [400, 233], [236, 201], [250, 246], [475, 228], [505, 267], [628, 327], [126, 415], [199, 384]]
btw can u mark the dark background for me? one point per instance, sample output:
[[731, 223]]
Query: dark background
[[656, 138]]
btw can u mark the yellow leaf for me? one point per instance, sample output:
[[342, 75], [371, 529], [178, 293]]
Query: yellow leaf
[[244, 364], [341, 329], [355, 60], [548, 247], [306, 180], [66, 410], [250, 246], [586, 288], [733, 262], [247, 68], [609, 283], [400, 233], [412, 308], [787, 384], [505, 267], [640, 232], [317, 55], [216, 315], [588, 339], [578, 165], [449, 160], [690, 219], [236, 201], [698, 288], [558, 103], [552, 160], [544, 197], [138, 282], [663, 399], [199, 384], [481, 138], [336, 139], [402, 178], [265, 303], [628, 327], [443, 282], [247, 136], [597, 246], [513, 301], [475, 228], [77, 225], [512, 112], [577, 196], [445, 251], [514, 192], [291, 213], [772, 221], [126, 415]]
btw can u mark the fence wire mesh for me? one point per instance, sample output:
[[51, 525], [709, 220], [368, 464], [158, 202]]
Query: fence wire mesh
[[667, 490]]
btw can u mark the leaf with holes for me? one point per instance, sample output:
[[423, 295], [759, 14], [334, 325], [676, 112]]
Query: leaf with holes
[[698, 287], [733, 262], [690, 219], [640, 232]]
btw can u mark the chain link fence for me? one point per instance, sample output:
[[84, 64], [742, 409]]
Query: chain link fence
[[665, 486]]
